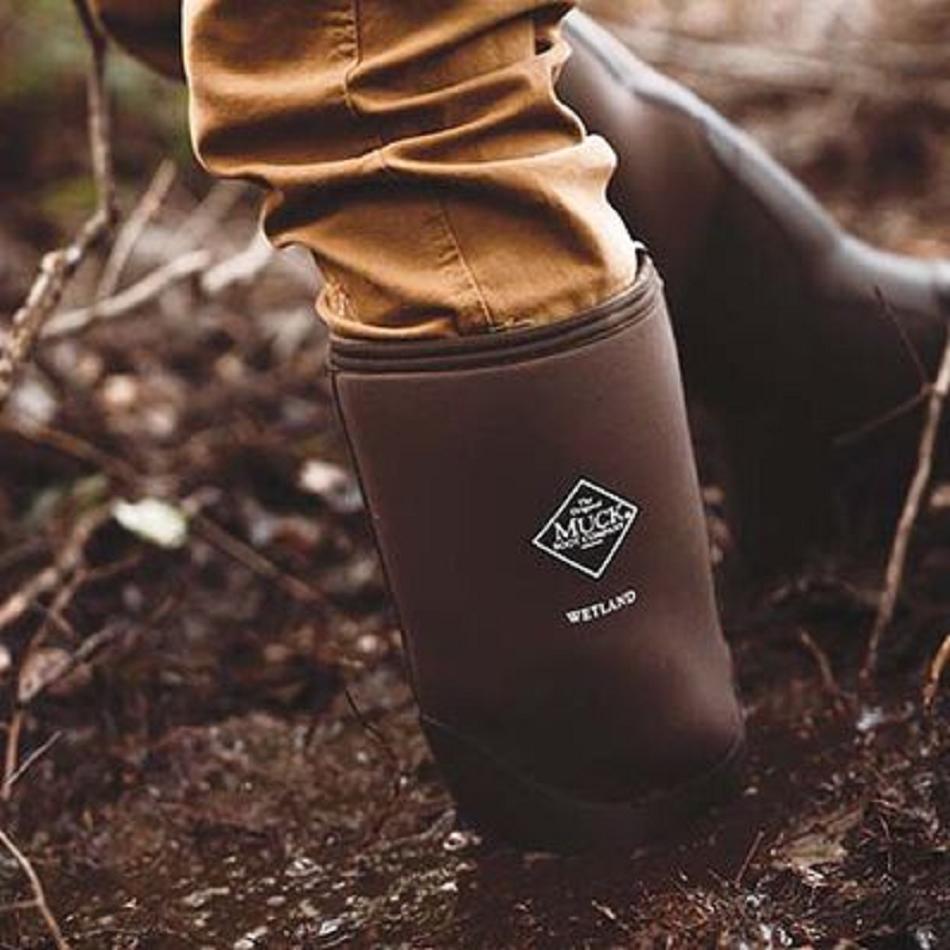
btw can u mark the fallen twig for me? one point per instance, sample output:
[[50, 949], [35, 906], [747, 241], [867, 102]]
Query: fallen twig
[[58, 267], [82, 654], [934, 674], [128, 237], [11, 756], [749, 857], [220, 199], [215, 278], [886, 310], [825, 671], [240, 268], [55, 614], [67, 560], [39, 895], [28, 763], [254, 561], [858, 434], [65, 443], [395, 766], [58, 573], [897, 562], [126, 301]]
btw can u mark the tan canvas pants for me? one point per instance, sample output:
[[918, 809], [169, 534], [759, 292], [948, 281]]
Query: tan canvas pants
[[418, 149]]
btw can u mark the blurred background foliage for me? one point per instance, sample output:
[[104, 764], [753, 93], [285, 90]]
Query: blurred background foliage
[[849, 143], [42, 59], [45, 188]]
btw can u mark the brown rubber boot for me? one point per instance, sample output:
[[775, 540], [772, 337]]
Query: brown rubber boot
[[535, 502], [778, 313]]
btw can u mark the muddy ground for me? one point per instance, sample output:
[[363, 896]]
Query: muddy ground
[[234, 761]]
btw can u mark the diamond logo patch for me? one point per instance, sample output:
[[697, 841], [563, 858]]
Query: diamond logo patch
[[588, 528]]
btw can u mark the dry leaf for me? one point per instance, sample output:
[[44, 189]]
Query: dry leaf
[[154, 521], [41, 668]]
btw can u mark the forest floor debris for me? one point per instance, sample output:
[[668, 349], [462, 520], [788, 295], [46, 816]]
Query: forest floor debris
[[238, 764]]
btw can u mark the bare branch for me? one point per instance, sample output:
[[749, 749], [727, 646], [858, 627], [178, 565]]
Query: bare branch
[[39, 895], [886, 309], [56, 270], [749, 857], [215, 279], [894, 575], [935, 673], [148, 206], [28, 763], [255, 562], [825, 671], [70, 555], [66, 443], [239, 269], [125, 302], [58, 267], [884, 419], [83, 653], [99, 118], [67, 560], [221, 198], [11, 756]]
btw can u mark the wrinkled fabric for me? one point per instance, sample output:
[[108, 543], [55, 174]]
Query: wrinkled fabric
[[417, 149]]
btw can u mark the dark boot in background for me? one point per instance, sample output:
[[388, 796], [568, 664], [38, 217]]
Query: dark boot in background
[[795, 334]]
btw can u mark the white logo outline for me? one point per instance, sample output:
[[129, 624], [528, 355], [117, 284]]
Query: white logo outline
[[580, 484]]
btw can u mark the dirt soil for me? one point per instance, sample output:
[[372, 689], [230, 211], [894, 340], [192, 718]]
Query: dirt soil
[[238, 763]]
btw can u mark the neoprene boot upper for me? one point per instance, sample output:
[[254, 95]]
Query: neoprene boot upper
[[535, 501]]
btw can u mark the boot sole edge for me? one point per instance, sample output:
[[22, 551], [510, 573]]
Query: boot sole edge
[[536, 816]]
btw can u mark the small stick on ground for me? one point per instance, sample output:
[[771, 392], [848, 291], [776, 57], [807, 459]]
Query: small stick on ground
[[11, 758], [74, 447], [83, 654], [58, 267], [897, 562], [86, 652], [30, 761], [39, 895], [825, 671], [908, 405], [749, 858], [934, 674], [886, 418], [255, 562], [385, 745], [913, 354]]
